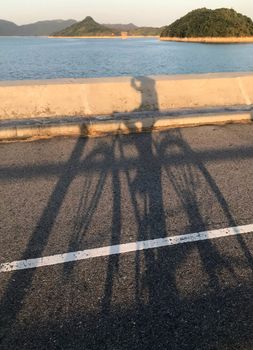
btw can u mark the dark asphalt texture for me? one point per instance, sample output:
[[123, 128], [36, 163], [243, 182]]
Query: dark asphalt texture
[[66, 194]]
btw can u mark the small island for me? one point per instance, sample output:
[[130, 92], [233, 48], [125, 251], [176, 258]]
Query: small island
[[210, 26]]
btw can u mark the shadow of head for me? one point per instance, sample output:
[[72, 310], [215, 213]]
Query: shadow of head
[[146, 86]]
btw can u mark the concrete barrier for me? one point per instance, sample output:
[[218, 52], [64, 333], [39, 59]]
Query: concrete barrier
[[92, 97]]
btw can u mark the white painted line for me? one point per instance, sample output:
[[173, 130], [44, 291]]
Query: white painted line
[[123, 248]]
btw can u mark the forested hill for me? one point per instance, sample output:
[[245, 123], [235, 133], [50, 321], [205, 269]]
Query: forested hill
[[39, 28], [87, 27], [210, 23]]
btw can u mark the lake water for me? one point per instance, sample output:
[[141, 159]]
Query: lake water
[[43, 58]]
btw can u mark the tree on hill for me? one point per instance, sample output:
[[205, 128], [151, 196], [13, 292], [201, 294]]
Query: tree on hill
[[152, 31], [210, 23], [87, 27]]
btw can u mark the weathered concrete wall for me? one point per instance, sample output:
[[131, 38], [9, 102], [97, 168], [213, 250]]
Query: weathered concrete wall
[[87, 97]]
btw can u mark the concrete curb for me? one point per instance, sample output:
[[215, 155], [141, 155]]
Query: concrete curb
[[11, 130]]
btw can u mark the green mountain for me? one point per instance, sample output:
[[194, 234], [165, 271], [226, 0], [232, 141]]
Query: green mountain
[[210, 23], [122, 27], [152, 31], [87, 27], [132, 29], [39, 28]]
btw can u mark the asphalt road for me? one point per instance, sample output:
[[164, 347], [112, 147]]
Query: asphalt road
[[64, 195]]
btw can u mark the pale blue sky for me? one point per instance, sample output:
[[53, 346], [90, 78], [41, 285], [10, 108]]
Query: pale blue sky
[[141, 12]]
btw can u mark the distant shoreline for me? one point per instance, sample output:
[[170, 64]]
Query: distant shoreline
[[211, 40], [106, 37]]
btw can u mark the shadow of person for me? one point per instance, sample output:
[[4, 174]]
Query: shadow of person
[[146, 198], [146, 86]]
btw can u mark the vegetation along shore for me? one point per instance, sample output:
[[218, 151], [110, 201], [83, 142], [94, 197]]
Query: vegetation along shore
[[210, 26]]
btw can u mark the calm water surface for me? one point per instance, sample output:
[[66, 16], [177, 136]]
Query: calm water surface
[[43, 58]]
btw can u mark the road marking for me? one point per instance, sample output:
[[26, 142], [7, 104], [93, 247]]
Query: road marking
[[123, 248]]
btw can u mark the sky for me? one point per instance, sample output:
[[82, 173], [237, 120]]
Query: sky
[[140, 12]]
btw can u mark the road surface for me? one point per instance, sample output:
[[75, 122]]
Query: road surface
[[100, 197]]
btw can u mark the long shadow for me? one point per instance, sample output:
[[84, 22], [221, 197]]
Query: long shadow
[[89, 201], [113, 261], [147, 202], [185, 181], [146, 217], [20, 282], [198, 165], [147, 186]]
